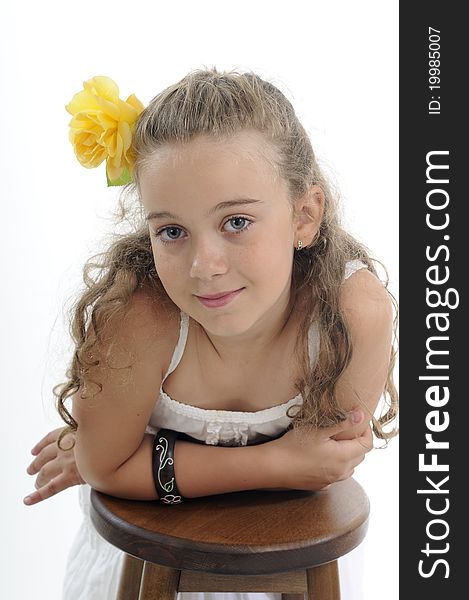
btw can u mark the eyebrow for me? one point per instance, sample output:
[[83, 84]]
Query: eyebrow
[[221, 206]]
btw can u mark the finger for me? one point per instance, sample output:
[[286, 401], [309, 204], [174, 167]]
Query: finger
[[328, 476], [367, 439], [347, 475], [46, 440], [47, 454], [53, 487], [51, 470], [351, 450], [353, 418], [33, 498], [358, 460], [355, 460]]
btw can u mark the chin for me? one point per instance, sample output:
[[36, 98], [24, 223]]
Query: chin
[[225, 324]]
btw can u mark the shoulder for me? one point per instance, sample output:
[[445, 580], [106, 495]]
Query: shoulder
[[366, 303], [147, 330], [148, 312], [152, 324], [368, 312]]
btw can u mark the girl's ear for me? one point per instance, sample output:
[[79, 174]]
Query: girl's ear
[[308, 213]]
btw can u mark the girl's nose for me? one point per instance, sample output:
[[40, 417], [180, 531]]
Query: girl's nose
[[208, 260]]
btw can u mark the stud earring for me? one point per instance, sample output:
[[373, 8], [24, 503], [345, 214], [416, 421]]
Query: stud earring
[[300, 245]]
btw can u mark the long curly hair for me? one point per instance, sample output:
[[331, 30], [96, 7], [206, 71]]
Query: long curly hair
[[221, 104]]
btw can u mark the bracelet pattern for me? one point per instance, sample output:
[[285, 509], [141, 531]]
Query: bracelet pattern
[[161, 452]]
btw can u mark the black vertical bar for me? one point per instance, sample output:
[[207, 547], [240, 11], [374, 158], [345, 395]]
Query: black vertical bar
[[434, 344]]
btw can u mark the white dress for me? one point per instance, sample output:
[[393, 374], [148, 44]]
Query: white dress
[[93, 564]]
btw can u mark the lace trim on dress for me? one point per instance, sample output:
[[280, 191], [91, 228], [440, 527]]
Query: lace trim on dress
[[232, 434], [228, 416]]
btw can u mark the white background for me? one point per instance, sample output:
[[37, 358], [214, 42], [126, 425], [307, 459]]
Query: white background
[[338, 64]]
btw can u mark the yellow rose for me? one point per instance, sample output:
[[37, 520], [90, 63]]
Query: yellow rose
[[102, 127]]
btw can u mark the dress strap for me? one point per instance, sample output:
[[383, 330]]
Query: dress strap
[[353, 265], [181, 344]]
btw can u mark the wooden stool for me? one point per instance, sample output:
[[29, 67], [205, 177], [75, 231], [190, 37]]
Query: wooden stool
[[252, 541]]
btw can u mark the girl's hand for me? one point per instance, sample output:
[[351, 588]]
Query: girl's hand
[[56, 468], [315, 461]]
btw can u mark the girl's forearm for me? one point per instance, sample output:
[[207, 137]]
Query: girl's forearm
[[200, 470]]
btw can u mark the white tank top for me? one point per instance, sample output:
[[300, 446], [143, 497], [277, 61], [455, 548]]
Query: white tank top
[[227, 427]]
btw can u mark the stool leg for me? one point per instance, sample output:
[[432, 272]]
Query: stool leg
[[159, 582], [323, 582], [131, 574]]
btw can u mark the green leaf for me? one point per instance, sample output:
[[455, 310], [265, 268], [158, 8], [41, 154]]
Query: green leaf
[[168, 487], [123, 179]]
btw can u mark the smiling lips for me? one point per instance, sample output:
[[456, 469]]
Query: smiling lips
[[215, 296], [220, 299]]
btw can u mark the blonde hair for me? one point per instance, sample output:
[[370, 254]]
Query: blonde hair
[[221, 104]]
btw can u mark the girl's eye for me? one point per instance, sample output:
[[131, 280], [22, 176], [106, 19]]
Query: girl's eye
[[170, 232], [168, 235], [240, 224]]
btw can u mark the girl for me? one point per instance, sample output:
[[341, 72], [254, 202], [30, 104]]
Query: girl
[[237, 295]]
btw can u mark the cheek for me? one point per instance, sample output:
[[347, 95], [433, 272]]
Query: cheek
[[270, 259], [167, 267], [170, 277], [274, 245], [169, 270]]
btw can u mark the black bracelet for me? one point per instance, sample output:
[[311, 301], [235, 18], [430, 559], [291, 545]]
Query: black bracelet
[[163, 466]]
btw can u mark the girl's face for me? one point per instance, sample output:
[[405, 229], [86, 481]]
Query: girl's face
[[220, 220]]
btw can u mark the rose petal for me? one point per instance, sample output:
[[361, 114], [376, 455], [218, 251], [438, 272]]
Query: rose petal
[[104, 122], [90, 160], [135, 102], [108, 140], [94, 157], [127, 112], [113, 172], [82, 101], [103, 87], [114, 148], [126, 134], [109, 108]]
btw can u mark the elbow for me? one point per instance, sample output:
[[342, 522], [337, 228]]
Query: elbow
[[102, 482], [97, 483], [106, 484]]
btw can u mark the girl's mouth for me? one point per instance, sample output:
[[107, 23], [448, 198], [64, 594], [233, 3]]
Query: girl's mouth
[[221, 300]]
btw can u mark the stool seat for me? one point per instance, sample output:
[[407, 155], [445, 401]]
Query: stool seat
[[247, 533]]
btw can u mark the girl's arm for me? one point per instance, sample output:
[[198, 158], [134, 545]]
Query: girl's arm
[[284, 463], [200, 470], [205, 470], [368, 312]]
